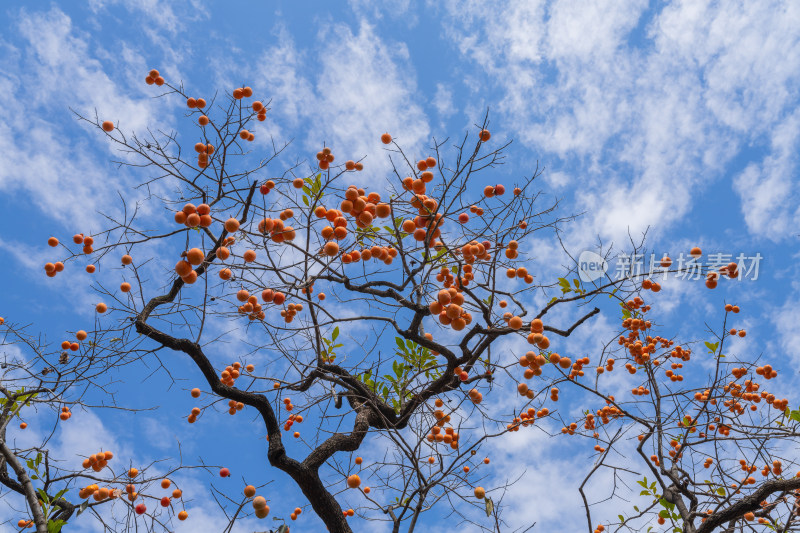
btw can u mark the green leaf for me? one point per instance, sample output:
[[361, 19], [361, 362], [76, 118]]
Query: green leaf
[[305, 200], [712, 347], [82, 508], [721, 491], [577, 283], [335, 333], [400, 343], [636, 508], [489, 506], [54, 526], [43, 495], [621, 519], [666, 504]]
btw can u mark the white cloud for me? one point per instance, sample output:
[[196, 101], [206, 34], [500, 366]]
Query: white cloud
[[59, 173], [281, 75], [159, 16], [396, 9], [649, 124], [589, 28], [443, 101], [365, 86], [769, 191]]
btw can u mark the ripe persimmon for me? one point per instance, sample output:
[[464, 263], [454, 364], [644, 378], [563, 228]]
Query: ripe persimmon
[[386, 138], [108, 126], [231, 225], [195, 256], [331, 249], [183, 268]]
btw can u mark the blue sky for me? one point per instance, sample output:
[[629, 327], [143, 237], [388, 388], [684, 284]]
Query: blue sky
[[680, 117]]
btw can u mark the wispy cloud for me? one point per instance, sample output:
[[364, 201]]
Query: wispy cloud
[[650, 107]]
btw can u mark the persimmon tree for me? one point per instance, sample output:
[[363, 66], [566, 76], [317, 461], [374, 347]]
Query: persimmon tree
[[713, 453], [382, 310]]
